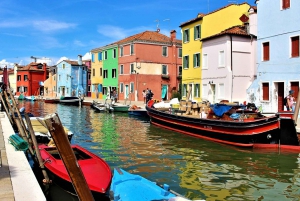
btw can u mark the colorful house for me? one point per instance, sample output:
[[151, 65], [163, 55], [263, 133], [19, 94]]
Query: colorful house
[[96, 73], [72, 78], [203, 26], [30, 79], [50, 84], [278, 60], [88, 64], [149, 60]]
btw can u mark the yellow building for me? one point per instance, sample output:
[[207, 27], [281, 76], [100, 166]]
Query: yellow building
[[50, 83], [96, 73], [204, 25]]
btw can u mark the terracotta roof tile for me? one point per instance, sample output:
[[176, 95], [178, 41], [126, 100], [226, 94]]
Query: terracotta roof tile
[[235, 30], [31, 67], [148, 36]]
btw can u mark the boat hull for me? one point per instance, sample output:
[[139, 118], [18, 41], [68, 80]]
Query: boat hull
[[95, 170], [128, 187], [246, 133], [138, 112], [120, 108], [71, 101]]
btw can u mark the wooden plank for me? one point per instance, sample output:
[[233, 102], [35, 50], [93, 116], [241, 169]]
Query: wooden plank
[[68, 157]]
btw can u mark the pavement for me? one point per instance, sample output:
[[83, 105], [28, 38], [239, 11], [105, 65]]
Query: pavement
[[17, 180]]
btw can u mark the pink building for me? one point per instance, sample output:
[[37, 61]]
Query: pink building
[[149, 60]]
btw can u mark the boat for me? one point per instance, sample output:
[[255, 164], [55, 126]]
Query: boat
[[71, 100], [29, 98], [227, 123], [127, 187], [137, 111], [120, 108], [42, 134], [51, 100], [96, 171], [102, 107]]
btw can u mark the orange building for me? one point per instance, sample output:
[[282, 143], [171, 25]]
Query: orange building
[[30, 79]]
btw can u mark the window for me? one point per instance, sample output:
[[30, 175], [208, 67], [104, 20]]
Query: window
[[19, 78], [205, 61], [100, 72], [105, 74], [58, 77], [105, 55], [295, 46], [114, 73], [63, 66], [93, 72], [89, 76], [131, 87], [221, 59], [164, 51], [180, 70], [104, 90], [131, 49], [186, 35], [186, 62], [121, 69], [131, 68], [99, 56], [266, 51], [184, 90], [164, 69], [179, 52], [54, 89], [197, 32], [114, 53], [121, 87], [285, 4], [25, 89], [89, 88], [121, 51], [197, 90], [265, 89], [25, 77], [197, 60], [221, 91]]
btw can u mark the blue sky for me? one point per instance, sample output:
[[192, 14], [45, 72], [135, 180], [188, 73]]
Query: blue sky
[[66, 28]]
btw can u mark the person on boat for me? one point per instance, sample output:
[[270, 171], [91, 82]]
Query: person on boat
[[290, 99], [144, 95], [149, 95]]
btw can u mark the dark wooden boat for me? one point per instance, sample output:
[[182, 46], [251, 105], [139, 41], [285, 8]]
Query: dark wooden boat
[[137, 111], [71, 100], [96, 171], [51, 100], [253, 130]]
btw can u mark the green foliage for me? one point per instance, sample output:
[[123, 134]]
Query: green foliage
[[176, 94]]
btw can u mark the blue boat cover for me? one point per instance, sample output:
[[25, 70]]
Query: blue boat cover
[[129, 187], [220, 109]]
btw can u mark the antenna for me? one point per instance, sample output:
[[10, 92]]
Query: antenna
[[157, 25]]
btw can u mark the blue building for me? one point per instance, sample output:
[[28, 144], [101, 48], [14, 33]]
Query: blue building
[[72, 78], [278, 61]]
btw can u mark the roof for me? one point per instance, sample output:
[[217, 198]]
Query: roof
[[239, 30], [31, 67], [200, 16], [149, 36]]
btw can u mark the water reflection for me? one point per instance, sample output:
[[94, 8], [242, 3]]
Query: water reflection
[[196, 168]]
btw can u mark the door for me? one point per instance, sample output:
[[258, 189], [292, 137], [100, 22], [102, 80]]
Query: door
[[295, 87], [280, 92], [126, 91], [63, 91]]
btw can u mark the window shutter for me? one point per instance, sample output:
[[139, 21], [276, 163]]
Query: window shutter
[[194, 60], [295, 46], [195, 33], [265, 88], [266, 52], [92, 57], [199, 31]]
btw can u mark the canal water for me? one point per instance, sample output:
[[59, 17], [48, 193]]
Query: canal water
[[195, 168]]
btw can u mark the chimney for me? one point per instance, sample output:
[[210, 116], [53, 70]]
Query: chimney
[[247, 27], [173, 35], [79, 60]]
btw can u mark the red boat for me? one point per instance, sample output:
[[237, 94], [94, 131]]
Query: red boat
[[96, 171], [250, 129]]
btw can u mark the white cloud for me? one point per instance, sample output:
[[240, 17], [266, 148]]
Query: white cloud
[[51, 25], [61, 59], [4, 63], [87, 56]]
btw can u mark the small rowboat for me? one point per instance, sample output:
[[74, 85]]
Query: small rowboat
[[96, 171], [128, 187]]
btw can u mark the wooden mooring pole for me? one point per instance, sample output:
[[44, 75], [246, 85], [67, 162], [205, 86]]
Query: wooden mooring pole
[[68, 157]]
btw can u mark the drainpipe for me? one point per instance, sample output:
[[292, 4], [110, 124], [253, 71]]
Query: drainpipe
[[231, 66]]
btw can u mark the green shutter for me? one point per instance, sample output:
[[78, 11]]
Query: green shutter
[[194, 60], [195, 32], [199, 31]]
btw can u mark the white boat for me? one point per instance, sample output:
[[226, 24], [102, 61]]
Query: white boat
[[29, 98]]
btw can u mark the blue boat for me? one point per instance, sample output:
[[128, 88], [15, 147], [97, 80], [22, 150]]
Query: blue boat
[[128, 187]]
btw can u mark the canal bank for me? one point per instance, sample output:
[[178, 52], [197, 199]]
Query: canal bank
[[17, 180]]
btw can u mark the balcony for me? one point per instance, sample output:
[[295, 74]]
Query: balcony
[[165, 76]]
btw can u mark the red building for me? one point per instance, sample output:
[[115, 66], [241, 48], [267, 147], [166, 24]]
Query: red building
[[30, 79], [149, 60]]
